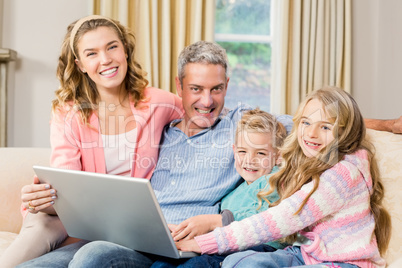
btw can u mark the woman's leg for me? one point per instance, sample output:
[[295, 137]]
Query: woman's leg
[[105, 254], [55, 259], [40, 233]]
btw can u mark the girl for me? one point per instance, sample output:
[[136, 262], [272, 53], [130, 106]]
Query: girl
[[105, 119], [330, 204]]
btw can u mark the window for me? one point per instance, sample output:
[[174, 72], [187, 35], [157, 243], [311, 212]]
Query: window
[[242, 27]]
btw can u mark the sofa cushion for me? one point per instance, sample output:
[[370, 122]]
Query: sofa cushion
[[388, 151], [5, 240], [15, 172]]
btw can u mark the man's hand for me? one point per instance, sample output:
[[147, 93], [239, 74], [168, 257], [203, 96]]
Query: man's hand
[[397, 126], [194, 226], [391, 125]]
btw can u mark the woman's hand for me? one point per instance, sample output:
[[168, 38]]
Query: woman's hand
[[38, 197], [196, 225], [188, 245]]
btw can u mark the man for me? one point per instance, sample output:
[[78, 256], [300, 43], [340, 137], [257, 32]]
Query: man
[[195, 168]]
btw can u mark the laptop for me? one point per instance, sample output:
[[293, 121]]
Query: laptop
[[118, 209]]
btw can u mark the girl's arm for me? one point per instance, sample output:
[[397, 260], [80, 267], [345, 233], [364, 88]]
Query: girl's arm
[[280, 221]]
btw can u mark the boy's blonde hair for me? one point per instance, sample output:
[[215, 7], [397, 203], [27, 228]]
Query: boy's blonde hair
[[262, 122]]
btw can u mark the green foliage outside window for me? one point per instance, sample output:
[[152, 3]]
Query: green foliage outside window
[[243, 17], [250, 62]]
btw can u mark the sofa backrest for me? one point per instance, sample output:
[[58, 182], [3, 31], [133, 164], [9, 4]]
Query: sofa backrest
[[388, 154], [15, 172]]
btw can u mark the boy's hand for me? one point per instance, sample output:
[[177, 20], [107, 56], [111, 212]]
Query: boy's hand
[[196, 225]]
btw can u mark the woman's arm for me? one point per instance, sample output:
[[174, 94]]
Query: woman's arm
[[65, 141], [37, 197]]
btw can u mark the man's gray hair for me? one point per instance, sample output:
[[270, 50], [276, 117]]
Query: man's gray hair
[[202, 52]]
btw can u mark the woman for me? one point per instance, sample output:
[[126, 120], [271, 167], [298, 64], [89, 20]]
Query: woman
[[104, 119]]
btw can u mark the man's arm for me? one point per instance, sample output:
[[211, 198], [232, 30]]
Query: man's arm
[[391, 125]]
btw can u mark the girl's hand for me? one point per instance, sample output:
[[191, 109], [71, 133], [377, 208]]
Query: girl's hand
[[196, 225], [38, 197], [172, 227], [188, 245]]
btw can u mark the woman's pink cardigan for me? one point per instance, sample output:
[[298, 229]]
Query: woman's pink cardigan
[[79, 147]]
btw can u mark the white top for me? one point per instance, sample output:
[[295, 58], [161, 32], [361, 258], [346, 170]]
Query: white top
[[119, 152]]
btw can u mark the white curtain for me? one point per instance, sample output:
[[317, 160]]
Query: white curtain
[[311, 49], [162, 28]]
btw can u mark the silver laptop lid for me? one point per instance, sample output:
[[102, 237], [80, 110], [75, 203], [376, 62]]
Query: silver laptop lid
[[122, 210]]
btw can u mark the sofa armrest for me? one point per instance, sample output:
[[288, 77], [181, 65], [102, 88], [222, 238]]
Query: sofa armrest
[[15, 172]]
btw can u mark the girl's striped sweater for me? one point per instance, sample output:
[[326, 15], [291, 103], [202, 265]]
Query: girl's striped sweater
[[336, 218]]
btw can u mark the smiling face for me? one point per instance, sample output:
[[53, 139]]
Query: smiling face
[[203, 92], [103, 58], [254, 155], [315, 129]]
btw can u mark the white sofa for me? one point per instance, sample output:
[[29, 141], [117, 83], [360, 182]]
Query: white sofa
[[16, 171]]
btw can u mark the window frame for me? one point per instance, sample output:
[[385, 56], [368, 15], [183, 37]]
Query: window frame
[[253, 38]]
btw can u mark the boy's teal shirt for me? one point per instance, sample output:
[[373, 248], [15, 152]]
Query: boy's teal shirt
[[243, 201]]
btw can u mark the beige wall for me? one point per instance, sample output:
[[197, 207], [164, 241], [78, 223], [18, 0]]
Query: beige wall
[[35, 29], [377, 57]]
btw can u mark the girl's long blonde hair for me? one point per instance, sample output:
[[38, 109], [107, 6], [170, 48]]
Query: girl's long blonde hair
[[77, 88], [349, 132]]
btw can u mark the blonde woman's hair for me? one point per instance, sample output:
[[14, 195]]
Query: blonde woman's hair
[[349, 132], [76, 88]]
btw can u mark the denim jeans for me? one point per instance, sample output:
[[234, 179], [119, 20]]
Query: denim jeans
[[105, 254], [58, 258], [91, 254], [203, 261], [289, 257]]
